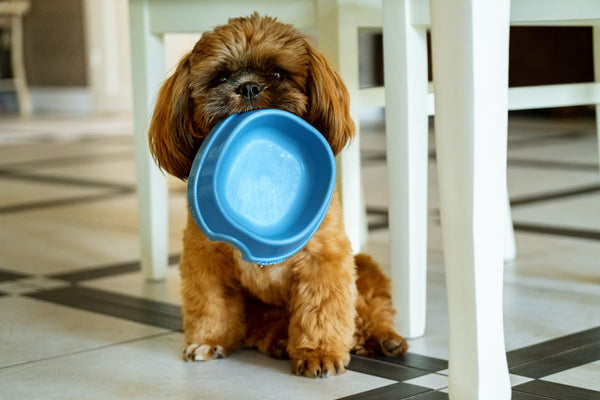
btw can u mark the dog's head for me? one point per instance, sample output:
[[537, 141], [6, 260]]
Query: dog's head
[[249, 64]]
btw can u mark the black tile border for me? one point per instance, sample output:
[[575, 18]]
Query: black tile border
[[548, 196], [433, 396], [69, 160], [557, 231], [62, 180], [394, 391], [530, 354], [560, 362], [548, 164], [145, 311], [10, 276], [383, 369], [556, 391], [527, 396], [68, 201], [108, 270], [413, 360]]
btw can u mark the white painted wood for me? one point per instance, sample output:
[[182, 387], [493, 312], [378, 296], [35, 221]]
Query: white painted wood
[[338, 40], [147, 61], [547, 96], [596, 44], [405, 67], [532, 12], [470, 66], [18, 65], [109, 64]]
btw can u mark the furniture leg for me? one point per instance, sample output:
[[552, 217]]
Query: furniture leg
[[470, 68], [405, 66], [147, 61]]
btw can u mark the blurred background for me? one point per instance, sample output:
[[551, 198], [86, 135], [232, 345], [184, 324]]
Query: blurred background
[[76, 57]]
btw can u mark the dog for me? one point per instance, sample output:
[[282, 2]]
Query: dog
[[322, 303]]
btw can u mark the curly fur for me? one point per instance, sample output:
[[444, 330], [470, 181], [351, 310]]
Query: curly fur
[[320, 304]]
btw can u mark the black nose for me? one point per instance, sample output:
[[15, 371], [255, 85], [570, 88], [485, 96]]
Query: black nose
[[249, 90]]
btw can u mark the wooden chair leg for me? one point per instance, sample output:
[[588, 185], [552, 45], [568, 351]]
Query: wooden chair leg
[[470, 68]]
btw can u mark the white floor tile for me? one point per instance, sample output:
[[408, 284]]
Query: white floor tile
[[585, 376], [152, 369], [17, 192], [30, 285], [431, 381], [75, 237], [134, 284], [579, 212], [33, 330]]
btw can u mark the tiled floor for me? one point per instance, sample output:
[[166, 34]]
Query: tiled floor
[[77, 319]]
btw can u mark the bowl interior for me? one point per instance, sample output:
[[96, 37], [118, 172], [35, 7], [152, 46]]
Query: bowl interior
[[273, 178]]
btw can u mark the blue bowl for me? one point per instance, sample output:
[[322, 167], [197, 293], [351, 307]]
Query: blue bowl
[[262, 181]]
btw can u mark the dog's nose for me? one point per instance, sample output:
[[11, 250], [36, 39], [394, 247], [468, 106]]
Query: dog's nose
[[249, 90]]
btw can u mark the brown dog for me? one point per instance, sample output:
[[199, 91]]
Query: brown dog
[[321, 303]]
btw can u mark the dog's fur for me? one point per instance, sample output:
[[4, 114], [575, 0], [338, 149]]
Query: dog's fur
[[321, 303]]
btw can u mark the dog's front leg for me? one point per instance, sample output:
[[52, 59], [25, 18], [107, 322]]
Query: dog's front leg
[[322, 311], [213, 305]]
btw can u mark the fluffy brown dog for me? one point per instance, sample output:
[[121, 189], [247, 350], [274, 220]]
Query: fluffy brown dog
[[321, 303]]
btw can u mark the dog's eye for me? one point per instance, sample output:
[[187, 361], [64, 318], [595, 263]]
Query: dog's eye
[[279, 75], [220, 79]]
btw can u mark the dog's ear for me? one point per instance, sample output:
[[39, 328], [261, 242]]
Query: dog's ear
[[171, 135], [329, 101]]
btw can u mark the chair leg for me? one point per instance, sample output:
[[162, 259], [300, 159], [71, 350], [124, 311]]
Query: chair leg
[[405, 66], [147, 61], [18, 66], [470, 68], [338, 40]]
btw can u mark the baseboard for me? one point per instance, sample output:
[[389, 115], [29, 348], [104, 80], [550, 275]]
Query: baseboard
[[63, 100]]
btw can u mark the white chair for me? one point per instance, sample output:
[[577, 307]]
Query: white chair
[[470, 69], [11, 18]]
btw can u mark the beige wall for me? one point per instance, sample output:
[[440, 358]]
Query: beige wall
[[55, 43]]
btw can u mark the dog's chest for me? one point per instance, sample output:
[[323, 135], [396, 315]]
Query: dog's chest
[[269, 283]]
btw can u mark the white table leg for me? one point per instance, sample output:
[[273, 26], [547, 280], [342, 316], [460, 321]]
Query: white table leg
[[406, 120], [470, 69], [147, 60]]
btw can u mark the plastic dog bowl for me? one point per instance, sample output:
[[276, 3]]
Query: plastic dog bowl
[[262, 181]]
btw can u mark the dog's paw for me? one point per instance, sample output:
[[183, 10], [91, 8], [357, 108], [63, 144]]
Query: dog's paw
[[278, 349], [203, 352], [320, 366], [394, 345]]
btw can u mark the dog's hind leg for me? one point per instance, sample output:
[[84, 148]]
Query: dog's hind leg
[[375, 333], [267, 327]]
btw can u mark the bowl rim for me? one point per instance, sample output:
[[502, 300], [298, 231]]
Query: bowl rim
[[303, 236]]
